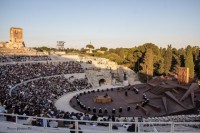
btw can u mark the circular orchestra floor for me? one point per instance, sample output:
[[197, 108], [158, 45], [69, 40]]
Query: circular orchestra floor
[[131, 101]]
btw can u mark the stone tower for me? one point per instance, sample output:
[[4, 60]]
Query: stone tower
[[16, 35], [16, 39]]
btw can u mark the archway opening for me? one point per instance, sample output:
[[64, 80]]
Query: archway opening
[[102, 82]]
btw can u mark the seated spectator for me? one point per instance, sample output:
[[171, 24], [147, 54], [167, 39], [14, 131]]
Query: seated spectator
[[131, 128], [53, 124], [94, 117], [2, 109]]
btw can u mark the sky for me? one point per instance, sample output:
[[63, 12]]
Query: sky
[[106, 23]]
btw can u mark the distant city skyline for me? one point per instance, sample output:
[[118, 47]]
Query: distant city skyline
[[106, 23]]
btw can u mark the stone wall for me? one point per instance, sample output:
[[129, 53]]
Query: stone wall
[[101, 68], [95, 76]]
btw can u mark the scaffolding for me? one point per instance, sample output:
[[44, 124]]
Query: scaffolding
[[60, 45]]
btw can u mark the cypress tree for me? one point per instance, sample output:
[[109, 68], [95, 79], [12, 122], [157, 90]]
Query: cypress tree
[[189, 61], [167, 59], [147, 66], [176, 62]]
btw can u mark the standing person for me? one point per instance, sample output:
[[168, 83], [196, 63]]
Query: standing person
[[126, 93]]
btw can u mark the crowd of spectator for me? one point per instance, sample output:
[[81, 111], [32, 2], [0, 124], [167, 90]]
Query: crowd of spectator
[[23, 58], [3, 58], [12, 74], [174, 118], [37, 97], [80, 84]]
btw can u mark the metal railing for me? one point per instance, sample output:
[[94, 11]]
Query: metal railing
[[11, 123]]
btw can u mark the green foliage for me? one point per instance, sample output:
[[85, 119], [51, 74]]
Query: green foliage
[[139, 57], [151, 58], [71, 50], [196, 58], [181, 54], [83, 51], [114, 57], [159, 67], [147, 59], [176, 62], [90, 46], [96, 54], [167, 59], [147, 66], [189, 61], [143, 77], [103, 48], [43, 49]]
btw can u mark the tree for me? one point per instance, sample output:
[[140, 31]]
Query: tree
[[42, 49], [181, 54], [189, 61], [159, 63], [111, 50], [147, 56], [83, 51], [147, 66], [196, 58], [137, 59], [159, 67], [176, 62], [130, 58], [90, 46], [167, 59], [114, 57], [103, 48]]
